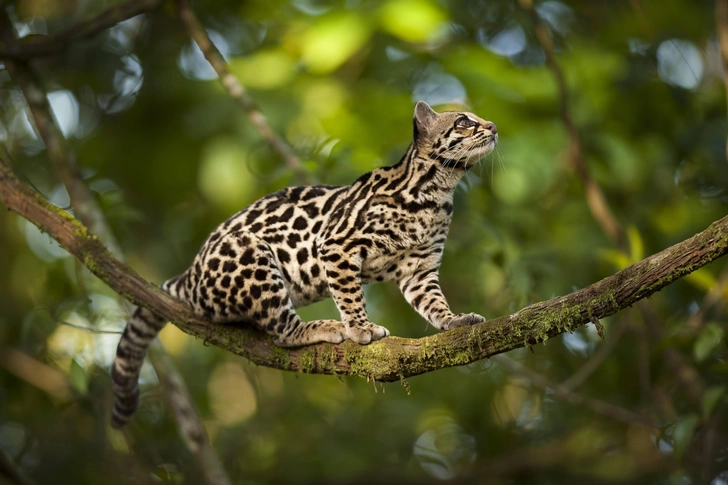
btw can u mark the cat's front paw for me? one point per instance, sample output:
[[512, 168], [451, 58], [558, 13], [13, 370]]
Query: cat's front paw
[[463, 319], [366, 332]]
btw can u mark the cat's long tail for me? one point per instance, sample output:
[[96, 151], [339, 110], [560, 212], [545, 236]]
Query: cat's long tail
[[139, 333], [141, 329]]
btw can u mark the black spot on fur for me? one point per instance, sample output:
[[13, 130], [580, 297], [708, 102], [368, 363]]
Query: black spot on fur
[[293, 240], [227, 250], [300, 223], [283, 256], [252, 216], [313, 192], [295, 193], [247, 257], [305, 279], [311, 209]]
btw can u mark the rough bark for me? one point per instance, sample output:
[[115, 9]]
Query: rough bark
[[392, 358]]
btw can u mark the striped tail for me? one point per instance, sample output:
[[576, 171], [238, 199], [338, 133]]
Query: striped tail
[[141, 329], [139, 333]]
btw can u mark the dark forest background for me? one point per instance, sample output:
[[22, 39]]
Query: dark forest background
[[169, 155]]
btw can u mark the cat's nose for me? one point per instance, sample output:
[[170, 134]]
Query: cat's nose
[[491, 127]]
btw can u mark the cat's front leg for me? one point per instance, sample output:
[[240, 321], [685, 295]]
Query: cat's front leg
[[422, 290], [343, 272]]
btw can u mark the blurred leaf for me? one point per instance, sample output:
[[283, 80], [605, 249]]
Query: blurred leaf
[[265, 69], [711, 397], [636, 246], [168, 473], [412, 20], [333, 40], [703, 279], [78, 377], [225, 177], [615, 257], [683, 432], [586, 441], [707, 340]]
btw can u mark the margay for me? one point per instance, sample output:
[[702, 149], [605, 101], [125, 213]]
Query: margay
[[302, 244]]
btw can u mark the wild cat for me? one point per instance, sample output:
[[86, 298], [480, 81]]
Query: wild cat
[[302, 244]]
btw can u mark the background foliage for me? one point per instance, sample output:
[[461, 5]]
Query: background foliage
[[170, 155]]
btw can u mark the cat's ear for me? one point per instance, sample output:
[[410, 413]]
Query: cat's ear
[[424, 118]]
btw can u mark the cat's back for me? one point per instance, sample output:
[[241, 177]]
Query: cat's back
[[287, 211]]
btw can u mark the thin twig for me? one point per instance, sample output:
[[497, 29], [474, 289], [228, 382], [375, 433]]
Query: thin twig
[[685, 374], [9, 473], [713, 298], [577, 462], [594, 195], [191, 430], [565, 394], [591, 365], [721, 20], [56, 43], [89, 329], [238, 92]]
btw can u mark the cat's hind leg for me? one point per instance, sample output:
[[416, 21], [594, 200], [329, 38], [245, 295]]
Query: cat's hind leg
[[243, 282]]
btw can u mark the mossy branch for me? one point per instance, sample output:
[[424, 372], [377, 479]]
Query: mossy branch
[[392, 358]]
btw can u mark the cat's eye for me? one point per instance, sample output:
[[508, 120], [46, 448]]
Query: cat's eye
[[465, 123]]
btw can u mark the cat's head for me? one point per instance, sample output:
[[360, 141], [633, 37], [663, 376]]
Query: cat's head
[[456, 136]]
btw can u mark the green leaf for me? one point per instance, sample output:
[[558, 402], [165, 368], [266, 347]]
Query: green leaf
[[78, 377], [333, 40], [683, 432], [412, 20], [636, 246], [711, 398], [265, 69], [225, 178], [708, 339]]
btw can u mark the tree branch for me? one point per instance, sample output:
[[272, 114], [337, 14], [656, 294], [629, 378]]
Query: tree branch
[[56, 43], [237, 91], [392, 358]]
